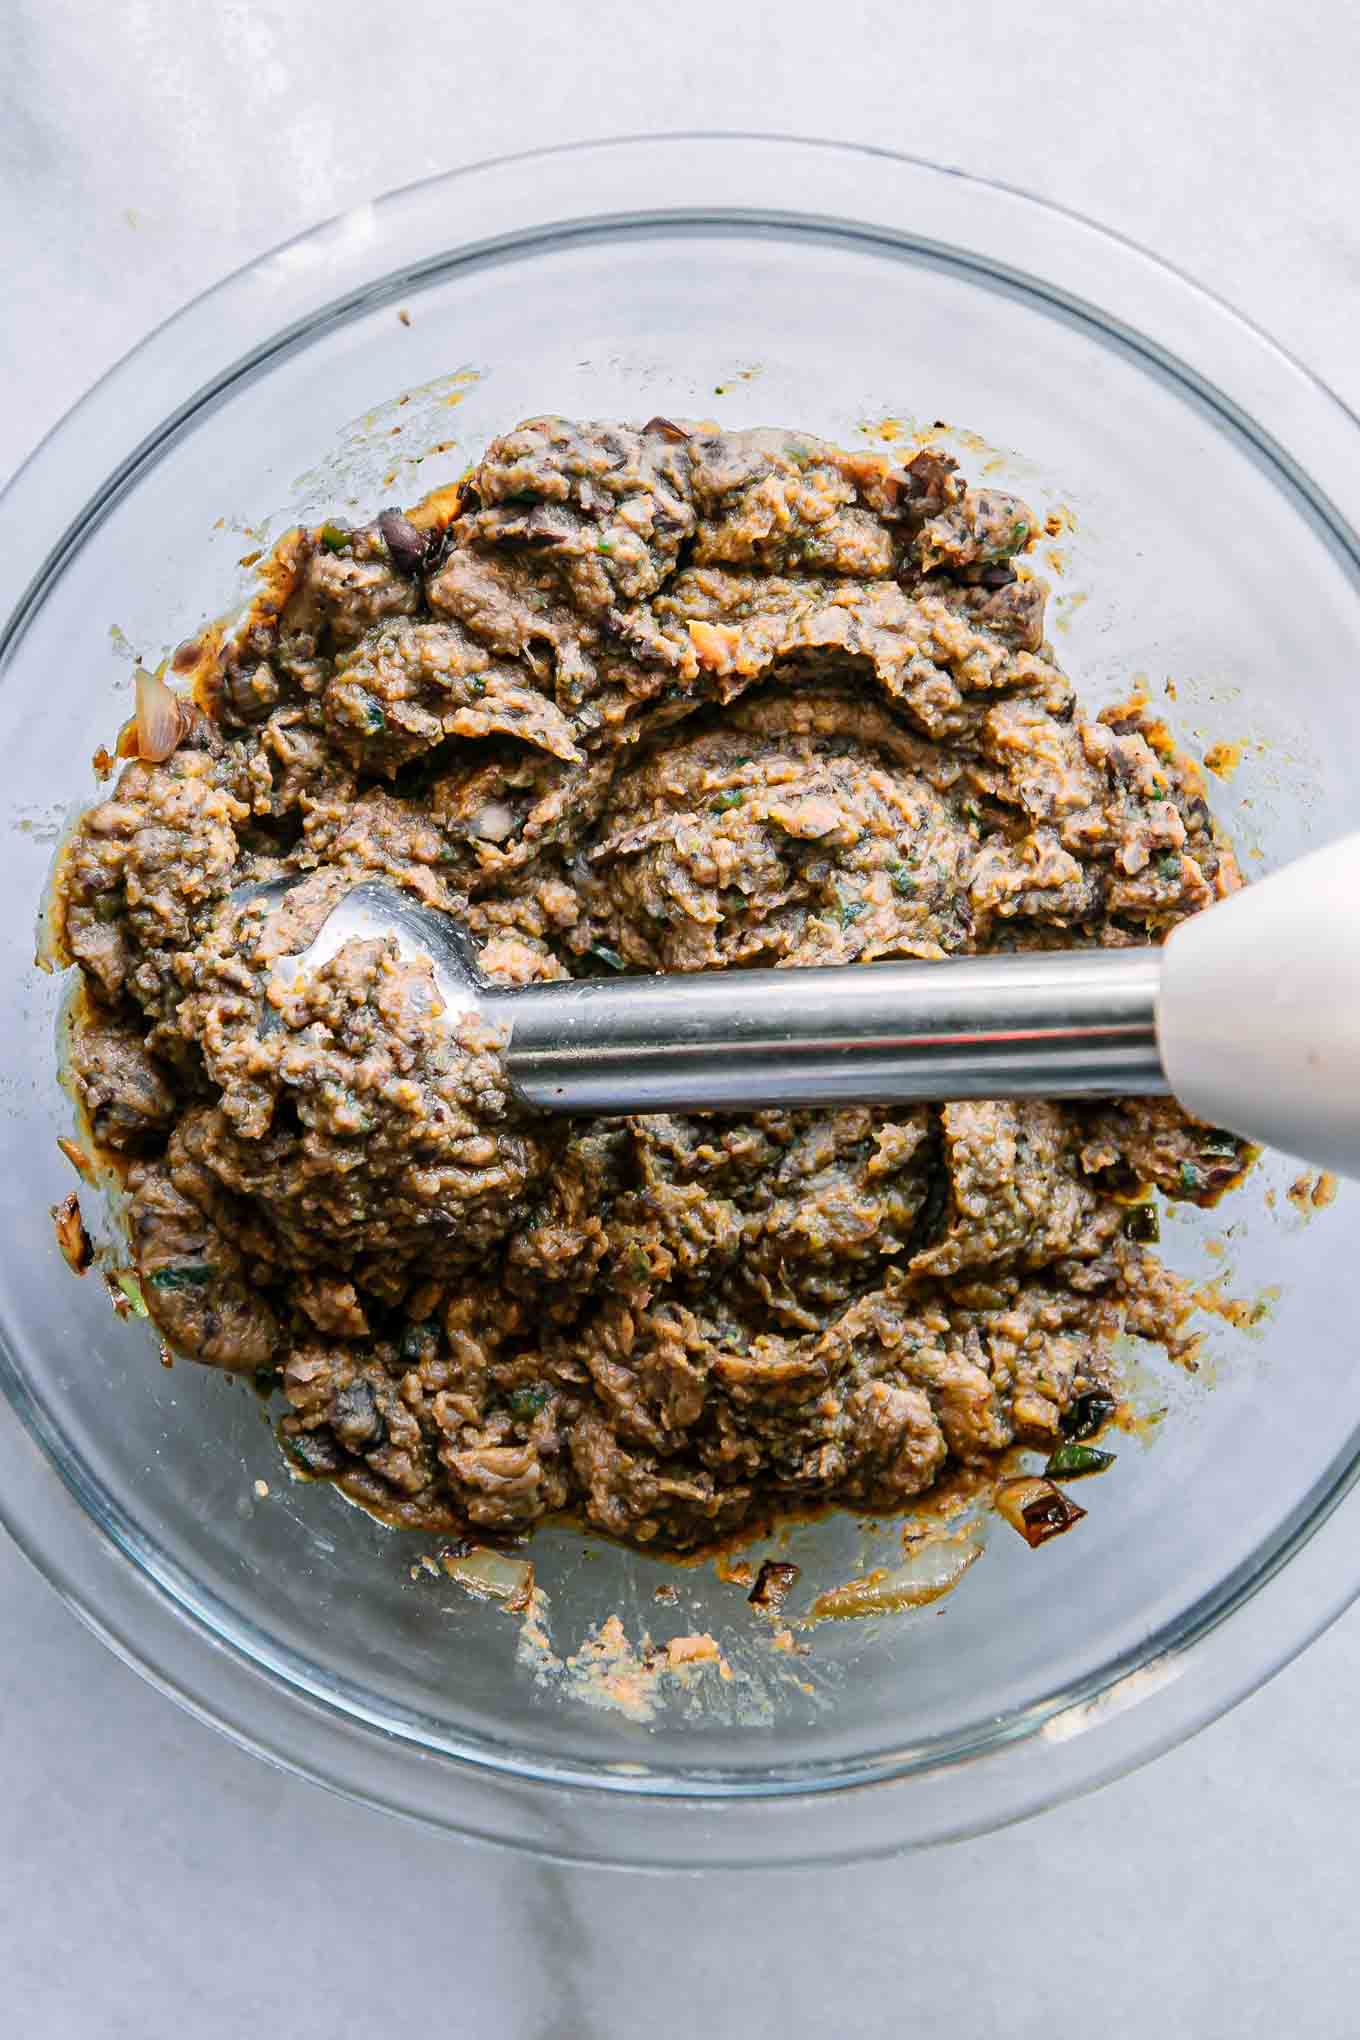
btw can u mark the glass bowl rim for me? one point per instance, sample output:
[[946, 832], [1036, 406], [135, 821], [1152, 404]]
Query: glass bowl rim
[[143, 1608]]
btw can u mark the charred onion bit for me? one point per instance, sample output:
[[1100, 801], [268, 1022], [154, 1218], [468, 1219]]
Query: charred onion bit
[[665, 429], [72, 1237], [1037, 1509], [926, 484], [1086, 1414], [774, 1583]]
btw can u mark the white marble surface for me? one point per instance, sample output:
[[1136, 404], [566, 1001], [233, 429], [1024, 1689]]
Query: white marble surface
[[154, 1881]]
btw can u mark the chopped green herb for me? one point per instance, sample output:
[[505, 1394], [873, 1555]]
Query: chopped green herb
[[903, 879], [637, 1254], [745, 759], [527, 1402], [334, 537], [1169, 865], [192, 1275], [851, 911], [1073, 1461], [1192, 1179], [418, 1342], [315, 1452], [370, 712], [1142, 1223], [132, 1290], [1019, 536], [476, 684], [732, 798], [604, 546], [608, 955], [109, 906]]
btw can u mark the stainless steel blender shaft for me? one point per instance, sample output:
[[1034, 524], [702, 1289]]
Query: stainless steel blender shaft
[[1059, 1024], [1050, 1025]]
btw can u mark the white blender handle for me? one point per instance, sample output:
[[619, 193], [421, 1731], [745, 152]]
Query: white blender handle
[[1258, 1013]]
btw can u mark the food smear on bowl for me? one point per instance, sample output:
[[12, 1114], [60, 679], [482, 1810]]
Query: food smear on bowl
[[930, 1568], [639, 698]]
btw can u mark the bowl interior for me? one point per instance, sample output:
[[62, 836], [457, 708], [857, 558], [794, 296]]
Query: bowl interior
[[1183, 553]]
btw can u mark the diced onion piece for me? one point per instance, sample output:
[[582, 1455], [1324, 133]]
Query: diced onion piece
[[77, 1157], [160, 719], [50, 954], [1036, 1508], [493, 822], [774, 1582], [931, 1569], [491, 1575]]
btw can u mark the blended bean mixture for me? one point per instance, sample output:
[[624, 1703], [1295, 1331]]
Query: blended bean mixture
[[656, 698]]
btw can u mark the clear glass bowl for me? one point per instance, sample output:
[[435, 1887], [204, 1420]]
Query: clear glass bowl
[[1215, 487]]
